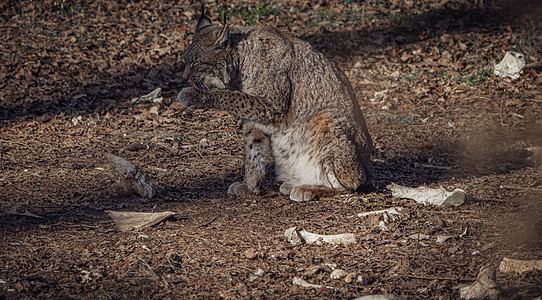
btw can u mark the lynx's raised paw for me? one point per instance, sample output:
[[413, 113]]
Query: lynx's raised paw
[[190, 98]]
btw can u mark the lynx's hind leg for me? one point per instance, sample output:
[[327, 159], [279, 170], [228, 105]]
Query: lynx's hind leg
[[347, 173], [257, 154], [339, 180]]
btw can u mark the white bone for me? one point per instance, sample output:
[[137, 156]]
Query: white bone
[[425, 195], [295, 236]]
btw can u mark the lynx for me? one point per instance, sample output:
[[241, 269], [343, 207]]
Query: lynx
[[296, 106]]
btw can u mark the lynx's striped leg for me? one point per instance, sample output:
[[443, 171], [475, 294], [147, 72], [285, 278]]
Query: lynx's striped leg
[[257, 154]]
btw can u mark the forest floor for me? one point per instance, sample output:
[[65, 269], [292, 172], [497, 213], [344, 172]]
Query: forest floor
[[423, 74]]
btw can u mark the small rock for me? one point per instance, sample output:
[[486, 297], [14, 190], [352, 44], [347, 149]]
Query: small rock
[[350, 277], [259, 272], [338, 274], [485, 287], [77, 120], [155, 97], [362, 279], [511, 65], [251, 253]]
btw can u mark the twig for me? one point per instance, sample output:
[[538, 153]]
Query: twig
[[431, 278], [207, 223], [199, 153], [519, 188], [431, 166]]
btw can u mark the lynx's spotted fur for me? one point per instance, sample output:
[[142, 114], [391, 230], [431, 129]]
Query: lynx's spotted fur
[[297, 106]]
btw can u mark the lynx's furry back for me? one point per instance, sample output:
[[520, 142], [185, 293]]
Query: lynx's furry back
[[297, 106]]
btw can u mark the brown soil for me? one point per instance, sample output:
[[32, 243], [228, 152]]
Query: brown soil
[[423, 74]]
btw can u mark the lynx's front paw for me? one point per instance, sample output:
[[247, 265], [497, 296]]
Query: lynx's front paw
[[285, 189], [301, 194], [190, 98]]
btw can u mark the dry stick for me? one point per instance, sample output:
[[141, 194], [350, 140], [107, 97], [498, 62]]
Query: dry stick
[[520, 188], [197, 151], [431, 278], [207, 223]]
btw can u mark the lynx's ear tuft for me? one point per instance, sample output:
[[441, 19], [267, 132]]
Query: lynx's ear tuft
[[223, 37], [203, 20]]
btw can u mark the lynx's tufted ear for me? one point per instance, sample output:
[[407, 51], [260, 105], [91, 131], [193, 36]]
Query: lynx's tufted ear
[[223, 37], [203, 20]]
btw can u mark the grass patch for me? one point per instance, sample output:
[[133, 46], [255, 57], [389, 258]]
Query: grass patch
[[251, 14], [414, 77], [479, 76]]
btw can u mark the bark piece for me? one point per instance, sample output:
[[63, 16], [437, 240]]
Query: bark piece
[[129, 220], [130, 178]]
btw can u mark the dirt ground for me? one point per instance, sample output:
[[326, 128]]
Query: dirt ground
[[423, 73]]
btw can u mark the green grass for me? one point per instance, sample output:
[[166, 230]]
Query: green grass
[[414, 77], [252, 14], [442, 74], [479, 76]]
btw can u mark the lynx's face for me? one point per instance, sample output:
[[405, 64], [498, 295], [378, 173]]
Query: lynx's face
[[205, 62], [205, 58]]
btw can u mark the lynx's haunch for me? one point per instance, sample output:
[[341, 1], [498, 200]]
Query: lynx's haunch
[[296, 105]]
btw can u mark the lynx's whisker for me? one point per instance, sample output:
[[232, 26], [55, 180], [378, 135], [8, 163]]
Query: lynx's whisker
[[201, 86]]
